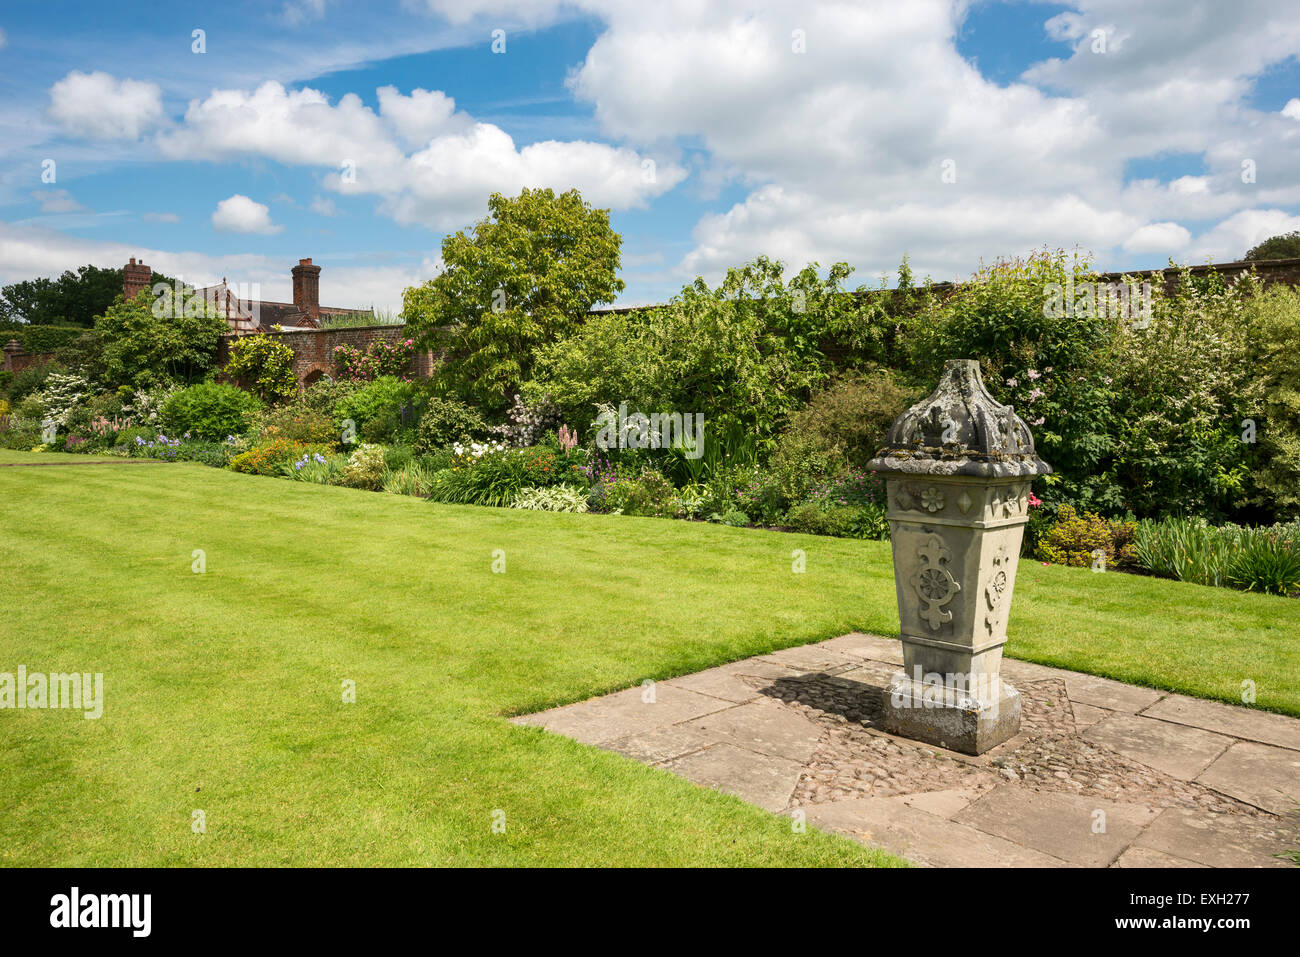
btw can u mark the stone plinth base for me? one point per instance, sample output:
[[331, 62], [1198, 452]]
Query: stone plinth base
[[950, 718]]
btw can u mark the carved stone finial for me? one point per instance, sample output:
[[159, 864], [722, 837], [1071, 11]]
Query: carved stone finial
[[960, 430]]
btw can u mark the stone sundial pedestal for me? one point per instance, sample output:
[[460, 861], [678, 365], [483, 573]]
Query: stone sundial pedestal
[[958, 468]]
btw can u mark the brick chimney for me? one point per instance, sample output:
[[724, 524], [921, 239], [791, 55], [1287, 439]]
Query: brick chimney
[[306, 288], [135, 278]]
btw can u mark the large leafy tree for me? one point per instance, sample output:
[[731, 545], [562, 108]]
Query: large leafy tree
[[148, 342], [1285, 246], [521, 278], [74, 298]]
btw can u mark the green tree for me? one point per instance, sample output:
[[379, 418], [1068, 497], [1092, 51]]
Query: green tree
[[521, 278], [74, 298], [1285, 246], [264, 366], [745, 354], [1275, 348], [148, 342]]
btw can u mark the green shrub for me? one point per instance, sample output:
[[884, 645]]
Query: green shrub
[[733, 516], [745, 353], [1276, 345], [398, 457], [759, 494], [216, 454], [1254, 559], [45, 338], [448, 421], [145, 347], [296, 422], [841, 521], [411, 479], [31, 380], [315, 467], [264, 365], [17, 433], [325, 394], [386, 395], [127, 437], [800, 461], [554, 498], [267, 459], [209, 410], [1265, 563], [495, 476], [648, 493], [364, 468], [1073, 538], [850, 419]]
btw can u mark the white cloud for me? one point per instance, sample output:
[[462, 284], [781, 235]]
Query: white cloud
[[57, 201], [239, 214], [444, 184], [1168, 238], [1232, 238], [324, 206], [842, 146], [417, 118], [1191, 185], [1292, 108], [161, 218], [99, 106]]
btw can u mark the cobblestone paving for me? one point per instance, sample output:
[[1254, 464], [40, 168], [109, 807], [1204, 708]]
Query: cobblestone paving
[[1173, 781]]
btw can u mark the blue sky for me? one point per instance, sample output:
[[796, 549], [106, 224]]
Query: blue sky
[[949, 131]]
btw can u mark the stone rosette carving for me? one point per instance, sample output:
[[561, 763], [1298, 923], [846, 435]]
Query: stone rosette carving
[[996, 589], [933, 582]]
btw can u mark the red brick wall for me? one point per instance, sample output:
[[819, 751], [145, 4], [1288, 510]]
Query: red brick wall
[[18, 361], [313, 349]]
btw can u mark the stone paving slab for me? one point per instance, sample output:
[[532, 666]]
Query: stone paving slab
[[1258, 774], [1108, 694], [760, 779], [1219, 840], [764, 726], [661, 744], [618, 715], [1261, 726], [921, 837], [1101, 774], [1175, 749], [1083, 831], [870, 647], [730, 681], [817, 657], [1146, 857]]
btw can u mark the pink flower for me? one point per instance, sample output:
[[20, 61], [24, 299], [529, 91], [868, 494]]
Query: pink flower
[[1034, 500]]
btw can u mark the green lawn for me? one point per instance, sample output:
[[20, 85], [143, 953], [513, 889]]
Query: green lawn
[[223, 689]]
